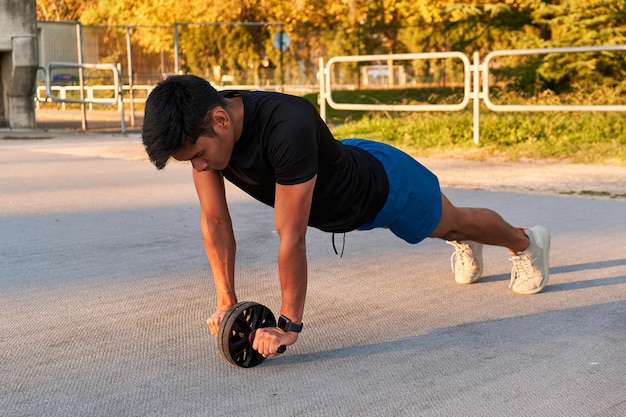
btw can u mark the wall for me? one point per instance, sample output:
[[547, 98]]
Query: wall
[[18, 63]]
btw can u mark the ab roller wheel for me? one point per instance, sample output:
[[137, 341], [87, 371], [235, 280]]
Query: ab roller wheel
[[236, 333]]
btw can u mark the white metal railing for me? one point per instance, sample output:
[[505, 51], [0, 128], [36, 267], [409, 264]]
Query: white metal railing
[[472, 87], [118, 95], [91, 98], [544, 107], [326, 83], [109, 101], [476, 79]]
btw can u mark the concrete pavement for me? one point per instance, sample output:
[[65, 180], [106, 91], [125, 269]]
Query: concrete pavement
[[104, 291]]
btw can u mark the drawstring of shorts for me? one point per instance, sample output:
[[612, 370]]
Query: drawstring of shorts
[[343, 245]]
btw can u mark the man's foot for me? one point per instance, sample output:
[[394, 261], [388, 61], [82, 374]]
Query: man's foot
[[530, 267], [467, 261]]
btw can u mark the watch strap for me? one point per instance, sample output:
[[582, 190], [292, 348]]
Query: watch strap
[[287, 325]]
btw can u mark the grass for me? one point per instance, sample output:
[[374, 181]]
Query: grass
[[579, 137]]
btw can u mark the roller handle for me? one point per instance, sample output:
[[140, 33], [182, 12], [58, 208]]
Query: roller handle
[[281, 349]]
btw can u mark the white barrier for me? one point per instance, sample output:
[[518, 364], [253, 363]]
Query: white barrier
[[117, 98], [539, 107], [91, 99], [472, 87], [473, 73], [326, 86]]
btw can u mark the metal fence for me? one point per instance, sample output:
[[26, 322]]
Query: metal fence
[[228, 53], [261, 55], [477, 79], [252, 55]]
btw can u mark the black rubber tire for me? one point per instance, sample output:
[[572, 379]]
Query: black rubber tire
[[234, 332]]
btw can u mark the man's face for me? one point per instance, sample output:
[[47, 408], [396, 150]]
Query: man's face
[[207, 154]]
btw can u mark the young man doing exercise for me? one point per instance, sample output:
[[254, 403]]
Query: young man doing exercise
[[276, 148]]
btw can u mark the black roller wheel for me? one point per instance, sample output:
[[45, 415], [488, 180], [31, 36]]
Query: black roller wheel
[[233, 337]]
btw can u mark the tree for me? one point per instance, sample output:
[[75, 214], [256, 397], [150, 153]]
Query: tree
[[572, 23], [60, 9], [323, 28]]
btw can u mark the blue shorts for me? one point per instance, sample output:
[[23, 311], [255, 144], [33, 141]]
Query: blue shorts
[[413, 207]]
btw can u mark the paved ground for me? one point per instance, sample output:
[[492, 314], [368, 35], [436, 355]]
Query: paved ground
[[104, 290]]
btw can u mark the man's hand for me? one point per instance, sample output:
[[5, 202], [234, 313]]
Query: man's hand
[[214, 321], [267, 340]]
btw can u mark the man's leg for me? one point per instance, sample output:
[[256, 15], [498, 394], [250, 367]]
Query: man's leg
[[463, 227], [478, 225]]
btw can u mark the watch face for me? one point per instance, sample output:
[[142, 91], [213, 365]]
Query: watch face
[[282, 323], [285, 324]]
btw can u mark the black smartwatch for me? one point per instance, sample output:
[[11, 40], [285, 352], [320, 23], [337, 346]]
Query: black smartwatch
[[287, 325]]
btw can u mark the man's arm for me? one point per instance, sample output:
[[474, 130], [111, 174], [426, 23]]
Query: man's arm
[[291, 216], [219, 240]]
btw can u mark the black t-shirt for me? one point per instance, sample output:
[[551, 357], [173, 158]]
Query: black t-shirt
[[285, 141]]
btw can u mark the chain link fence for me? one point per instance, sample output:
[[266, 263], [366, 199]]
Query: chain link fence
[[254, 54], [248, 55]]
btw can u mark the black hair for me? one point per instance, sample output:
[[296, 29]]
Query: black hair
[[178, 109]]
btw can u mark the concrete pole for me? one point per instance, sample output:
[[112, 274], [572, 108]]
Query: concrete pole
[[18, 63]]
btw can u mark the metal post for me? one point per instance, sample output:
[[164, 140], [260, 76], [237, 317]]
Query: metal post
[[131, 75], [358, 52], [282, 70], [476, 97], [322, 97], [81, 81], [176, 50], [120, 96]]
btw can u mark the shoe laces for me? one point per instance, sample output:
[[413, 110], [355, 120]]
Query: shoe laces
[[464, 255], [522, 268]]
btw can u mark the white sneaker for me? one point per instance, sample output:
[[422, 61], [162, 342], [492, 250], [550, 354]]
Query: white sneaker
[[467, 261], [530, 267]]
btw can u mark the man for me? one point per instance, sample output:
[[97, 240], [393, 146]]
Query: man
[[276, 148]]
